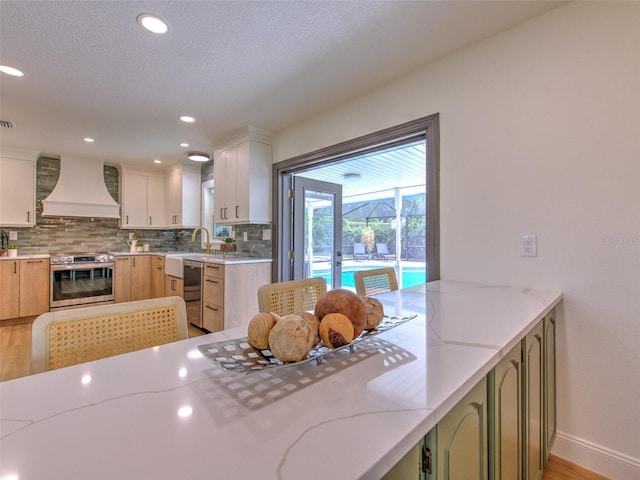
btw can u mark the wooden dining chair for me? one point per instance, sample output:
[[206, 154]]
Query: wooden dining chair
[[292, 296], [378, 280], [62, 338]]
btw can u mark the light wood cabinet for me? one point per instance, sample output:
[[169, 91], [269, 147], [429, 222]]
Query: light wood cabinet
[[242, 177], [183, 195], [230, 293], [157, 276], [17, 192], [132, 278], [505, 417], [24, 288], [122, 279], [213, 297], [9, 289], [143, 199], [173, 286], [34, 286]]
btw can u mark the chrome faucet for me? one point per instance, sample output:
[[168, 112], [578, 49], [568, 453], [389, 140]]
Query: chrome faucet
[[193, 237]]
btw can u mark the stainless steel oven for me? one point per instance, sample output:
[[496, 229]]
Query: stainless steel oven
[[81, 279]]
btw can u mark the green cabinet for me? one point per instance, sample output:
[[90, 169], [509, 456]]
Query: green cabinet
[[505, 417], [459, 442], [549, 382], [503, 428], [534, 403]]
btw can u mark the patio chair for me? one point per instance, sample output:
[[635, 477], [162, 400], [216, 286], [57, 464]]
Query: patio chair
[[372, 282], [292, 296], [383, 252], [359, 252]]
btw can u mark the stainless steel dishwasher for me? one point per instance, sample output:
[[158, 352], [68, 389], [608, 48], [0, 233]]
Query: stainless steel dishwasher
[[193, 291]]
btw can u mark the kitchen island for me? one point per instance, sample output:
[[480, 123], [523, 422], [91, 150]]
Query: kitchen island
[[168, 412]]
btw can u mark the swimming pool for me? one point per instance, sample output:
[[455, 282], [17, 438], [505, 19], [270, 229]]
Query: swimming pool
[[410, 275]]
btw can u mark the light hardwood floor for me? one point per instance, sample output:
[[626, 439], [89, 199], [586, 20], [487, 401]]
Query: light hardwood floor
[[15, 353]]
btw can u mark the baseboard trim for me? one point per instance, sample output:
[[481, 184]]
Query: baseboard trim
[[596, 458]]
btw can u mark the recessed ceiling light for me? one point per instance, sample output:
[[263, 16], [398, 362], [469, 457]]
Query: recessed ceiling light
[[14, 72], [351, 177], [89, 140], [152, 23], [199, 156], [157, 161], [184, 144], [187, 118]]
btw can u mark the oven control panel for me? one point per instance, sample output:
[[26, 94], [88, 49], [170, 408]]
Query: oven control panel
[[81, 258]]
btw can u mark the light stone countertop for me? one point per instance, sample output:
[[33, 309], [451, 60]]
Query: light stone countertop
[[168, 412], [25, 257], [203, 257]]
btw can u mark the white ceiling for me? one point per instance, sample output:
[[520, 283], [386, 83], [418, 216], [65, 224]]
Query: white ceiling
[[91, 71]]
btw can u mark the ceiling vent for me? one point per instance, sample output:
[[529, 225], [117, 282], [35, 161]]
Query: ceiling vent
[[6, 124]]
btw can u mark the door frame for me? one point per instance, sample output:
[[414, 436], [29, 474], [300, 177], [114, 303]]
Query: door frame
[[428, 127]]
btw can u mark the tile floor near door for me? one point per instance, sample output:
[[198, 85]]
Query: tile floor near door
[[15, 353]]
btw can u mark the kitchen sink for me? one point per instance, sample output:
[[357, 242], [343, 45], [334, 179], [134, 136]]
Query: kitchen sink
[[173, 265]]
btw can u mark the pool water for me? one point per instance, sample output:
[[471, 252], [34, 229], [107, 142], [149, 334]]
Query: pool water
[[410, 276]]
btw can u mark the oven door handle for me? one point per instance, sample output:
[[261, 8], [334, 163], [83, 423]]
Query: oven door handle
[[82, 266]]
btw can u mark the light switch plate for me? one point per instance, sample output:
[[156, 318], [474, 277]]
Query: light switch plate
[[13, 235]]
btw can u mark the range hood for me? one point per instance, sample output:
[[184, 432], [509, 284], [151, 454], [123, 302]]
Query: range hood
[[80, 191]]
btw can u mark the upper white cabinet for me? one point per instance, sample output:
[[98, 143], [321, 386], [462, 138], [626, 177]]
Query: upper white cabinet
[[17, 192], [182, 193], [242, 181], [143, 199]]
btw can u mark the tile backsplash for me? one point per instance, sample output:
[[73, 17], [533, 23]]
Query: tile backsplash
[[75, 234]]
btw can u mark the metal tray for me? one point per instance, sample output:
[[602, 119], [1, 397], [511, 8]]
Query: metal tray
[[239, 356]]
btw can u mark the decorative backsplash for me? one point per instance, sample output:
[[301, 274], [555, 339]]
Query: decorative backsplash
[[74, 234]]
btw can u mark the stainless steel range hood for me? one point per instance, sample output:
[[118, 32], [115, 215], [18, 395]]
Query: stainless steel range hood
[[80, 192]]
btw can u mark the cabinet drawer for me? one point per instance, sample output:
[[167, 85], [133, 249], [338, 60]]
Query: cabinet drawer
[[214, 270], [213, 291], [212, 317]]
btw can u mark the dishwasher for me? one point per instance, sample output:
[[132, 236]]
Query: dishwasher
[[193, 291]]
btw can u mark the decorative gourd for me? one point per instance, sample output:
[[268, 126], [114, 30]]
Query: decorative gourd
[[314, 323], [375, 312], [259, 327], [345, 302], [336, 330], [291, 338]]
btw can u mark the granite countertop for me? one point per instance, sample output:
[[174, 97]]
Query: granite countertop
[[354, 416]]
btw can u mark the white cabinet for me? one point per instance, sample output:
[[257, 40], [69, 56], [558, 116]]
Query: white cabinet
[[142, 199], [182, 190], [242, 183], [17, 192]]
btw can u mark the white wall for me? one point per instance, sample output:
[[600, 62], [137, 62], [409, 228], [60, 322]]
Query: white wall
[[540, 134]]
